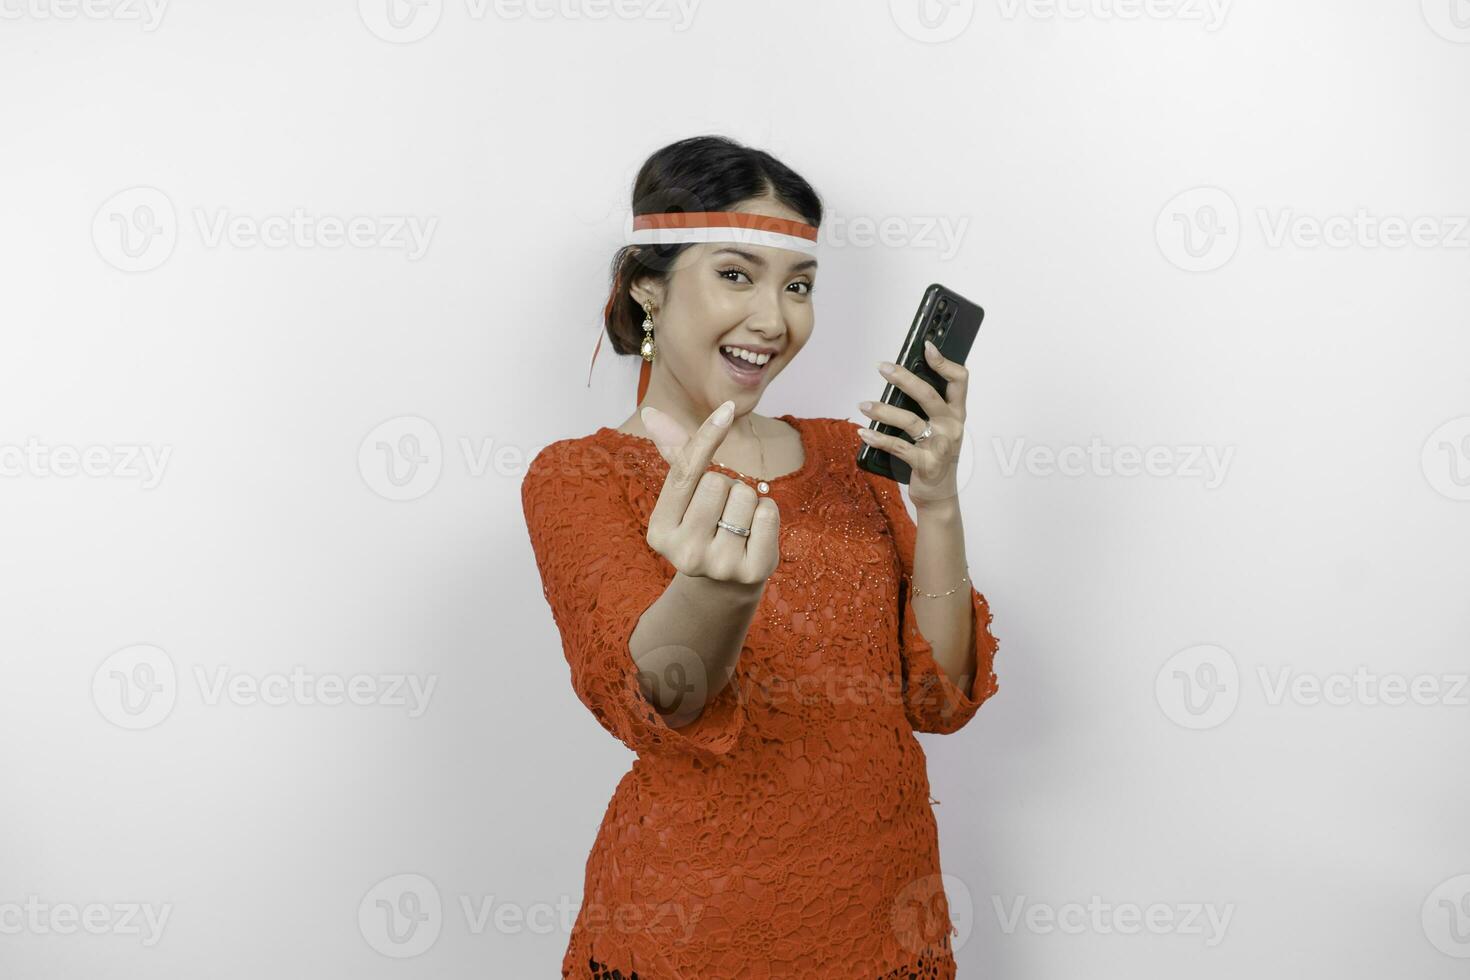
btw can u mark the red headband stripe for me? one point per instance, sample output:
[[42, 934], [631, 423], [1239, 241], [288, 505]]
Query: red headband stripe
[[724, 219]]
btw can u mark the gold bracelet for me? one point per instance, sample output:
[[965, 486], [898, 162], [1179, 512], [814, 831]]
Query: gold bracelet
[[941, 595]]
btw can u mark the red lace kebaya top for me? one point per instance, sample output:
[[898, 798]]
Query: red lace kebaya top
[[787, 831]]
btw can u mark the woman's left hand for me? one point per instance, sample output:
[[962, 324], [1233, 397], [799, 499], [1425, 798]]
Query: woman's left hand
[[935, 460]]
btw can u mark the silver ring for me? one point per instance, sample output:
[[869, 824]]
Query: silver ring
[[928, 431], [744, 532]]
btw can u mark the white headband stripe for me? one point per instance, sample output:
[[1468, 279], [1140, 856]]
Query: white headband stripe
[[736, 235]]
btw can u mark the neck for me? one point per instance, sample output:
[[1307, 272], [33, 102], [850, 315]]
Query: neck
[[691, 409]]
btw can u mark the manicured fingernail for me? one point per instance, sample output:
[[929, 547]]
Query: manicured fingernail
[[884, 367], [866, 406], [865, 434], [929, 346], [643, 412], [723, 414]]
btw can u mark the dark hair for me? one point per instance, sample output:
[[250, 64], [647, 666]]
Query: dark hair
[[701, 173]]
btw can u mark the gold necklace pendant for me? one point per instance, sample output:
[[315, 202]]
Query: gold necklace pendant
[[761, 486]]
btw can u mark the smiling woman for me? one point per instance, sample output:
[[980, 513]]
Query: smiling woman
[[750, 625]]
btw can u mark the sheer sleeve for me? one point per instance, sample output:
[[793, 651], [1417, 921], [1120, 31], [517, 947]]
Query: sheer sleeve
[[932, 702], [599, 576]]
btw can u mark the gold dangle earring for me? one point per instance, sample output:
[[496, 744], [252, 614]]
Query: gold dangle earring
[[649, 349]]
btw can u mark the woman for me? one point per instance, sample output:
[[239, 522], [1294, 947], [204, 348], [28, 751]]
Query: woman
[[752, 614]]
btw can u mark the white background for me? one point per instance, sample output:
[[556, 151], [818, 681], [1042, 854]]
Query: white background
[[1060, 141]]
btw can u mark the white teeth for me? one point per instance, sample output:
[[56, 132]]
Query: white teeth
[[740, 352]]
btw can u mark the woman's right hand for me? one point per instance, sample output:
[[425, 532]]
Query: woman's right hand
[[682, 526]]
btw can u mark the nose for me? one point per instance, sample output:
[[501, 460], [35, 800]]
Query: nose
[[767, 316]]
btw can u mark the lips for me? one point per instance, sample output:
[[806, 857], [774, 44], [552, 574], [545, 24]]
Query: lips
[[742, 372]]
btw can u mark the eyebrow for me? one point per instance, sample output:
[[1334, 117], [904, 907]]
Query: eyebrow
[[754, 259]]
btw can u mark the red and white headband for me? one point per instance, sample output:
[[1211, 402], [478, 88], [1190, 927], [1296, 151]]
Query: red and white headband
[[722, 226], [701, 227]]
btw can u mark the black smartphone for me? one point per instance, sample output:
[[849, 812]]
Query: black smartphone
[[951, 322]]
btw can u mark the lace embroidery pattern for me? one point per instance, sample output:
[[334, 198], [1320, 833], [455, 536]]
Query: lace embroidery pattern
[[787, 831], [927, 968]]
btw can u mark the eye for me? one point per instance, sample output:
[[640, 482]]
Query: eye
[[733, 270], [806, 291]]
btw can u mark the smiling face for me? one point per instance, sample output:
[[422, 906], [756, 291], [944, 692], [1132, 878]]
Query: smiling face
[[730, 317]]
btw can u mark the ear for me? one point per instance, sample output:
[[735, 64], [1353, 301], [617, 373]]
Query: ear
[[647, 291]]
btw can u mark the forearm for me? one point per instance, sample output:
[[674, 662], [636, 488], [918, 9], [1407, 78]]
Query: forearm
[[947, 622], [687, 643]]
